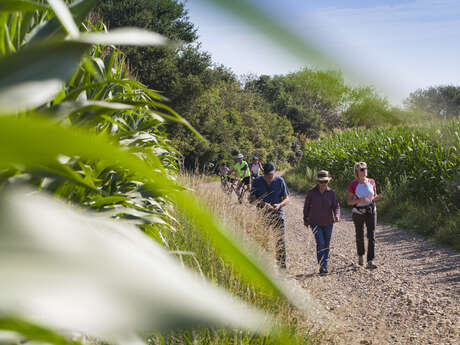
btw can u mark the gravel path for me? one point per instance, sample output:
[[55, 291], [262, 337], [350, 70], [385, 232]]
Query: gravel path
[[413, 297]]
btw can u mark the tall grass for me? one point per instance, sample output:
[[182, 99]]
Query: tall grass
[[416, 168], [193, 249]]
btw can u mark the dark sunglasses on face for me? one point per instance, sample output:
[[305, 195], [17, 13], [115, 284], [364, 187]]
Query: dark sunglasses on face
[[323, 182], [363, 169]]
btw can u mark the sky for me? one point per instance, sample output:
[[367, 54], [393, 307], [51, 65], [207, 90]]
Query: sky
[[394, 46]]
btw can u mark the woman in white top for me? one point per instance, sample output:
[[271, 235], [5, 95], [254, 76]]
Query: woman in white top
[[256, 167], [362, 195]]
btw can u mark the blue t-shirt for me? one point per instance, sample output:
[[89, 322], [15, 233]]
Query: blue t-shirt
[[272, 193]]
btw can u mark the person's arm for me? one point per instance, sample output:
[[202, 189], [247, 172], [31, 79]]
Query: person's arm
[[352, 200], [377, 196], [336, 208], [306, 210], [284, 202], [284, 196]]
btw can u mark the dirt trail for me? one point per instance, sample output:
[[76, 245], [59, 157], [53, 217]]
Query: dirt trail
[[413, 297]]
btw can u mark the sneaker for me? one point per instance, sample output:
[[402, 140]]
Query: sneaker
[[361, 260], [323, 270], [371, 265]]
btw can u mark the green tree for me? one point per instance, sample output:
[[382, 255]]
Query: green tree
[[310, 99], [232, 119], [182, 72], [442, 101], [366, 108]]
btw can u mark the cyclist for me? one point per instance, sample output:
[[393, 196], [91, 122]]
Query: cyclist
[[256, 167], [241, 168], [224, 171]]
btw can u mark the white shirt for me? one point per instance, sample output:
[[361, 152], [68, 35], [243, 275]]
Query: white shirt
[[365, 190]]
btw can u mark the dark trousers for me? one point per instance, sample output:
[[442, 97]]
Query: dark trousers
[[359, 220], [280, 249]]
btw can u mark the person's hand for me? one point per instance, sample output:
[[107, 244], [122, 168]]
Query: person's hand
[[276, 207], [378, 197], [306, 223], [266, 206], [336, 219]]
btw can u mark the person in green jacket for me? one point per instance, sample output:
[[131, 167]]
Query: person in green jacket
[[241, 168]]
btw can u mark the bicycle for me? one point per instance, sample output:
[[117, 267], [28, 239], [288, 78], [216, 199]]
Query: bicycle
[[224, 183], [241, 192], [228, 184]]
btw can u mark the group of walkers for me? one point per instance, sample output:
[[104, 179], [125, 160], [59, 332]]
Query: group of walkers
[[321, 208]]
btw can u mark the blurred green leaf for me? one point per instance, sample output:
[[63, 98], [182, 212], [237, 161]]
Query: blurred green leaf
[[65, 17], [33, 332], [34, 75], [124, 36], [20, 6], [53, 28], [227, 247], [79, 271], [276, 31]]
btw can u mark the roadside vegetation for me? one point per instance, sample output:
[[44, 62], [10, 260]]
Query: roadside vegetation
[[193, 249]]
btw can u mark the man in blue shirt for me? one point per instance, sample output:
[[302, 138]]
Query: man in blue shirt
[[272, 195]]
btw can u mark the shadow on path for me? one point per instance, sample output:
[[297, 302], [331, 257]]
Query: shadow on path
[[436, 263]]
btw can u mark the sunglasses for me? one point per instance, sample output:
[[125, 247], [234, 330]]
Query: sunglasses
[[323, 182], [363, 169]]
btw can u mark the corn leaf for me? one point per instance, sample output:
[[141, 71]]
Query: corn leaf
[[20, 6], [105, 278], [64, 15], [35, 75], [32, 331], [124, 36], [53, 28]]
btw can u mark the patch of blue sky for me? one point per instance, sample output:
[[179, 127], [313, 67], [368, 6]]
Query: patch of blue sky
[[398, 46]]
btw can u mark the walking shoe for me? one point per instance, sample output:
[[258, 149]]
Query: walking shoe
[[281, 266], [371, 265], [323, 270], [361, 260]]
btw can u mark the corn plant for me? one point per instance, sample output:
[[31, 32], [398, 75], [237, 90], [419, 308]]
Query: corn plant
[[73, 123], [427, 158]]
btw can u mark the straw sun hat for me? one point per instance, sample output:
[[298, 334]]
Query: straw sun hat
[[323, 176]]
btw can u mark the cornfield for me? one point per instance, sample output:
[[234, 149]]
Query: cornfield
[[425, 158]]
